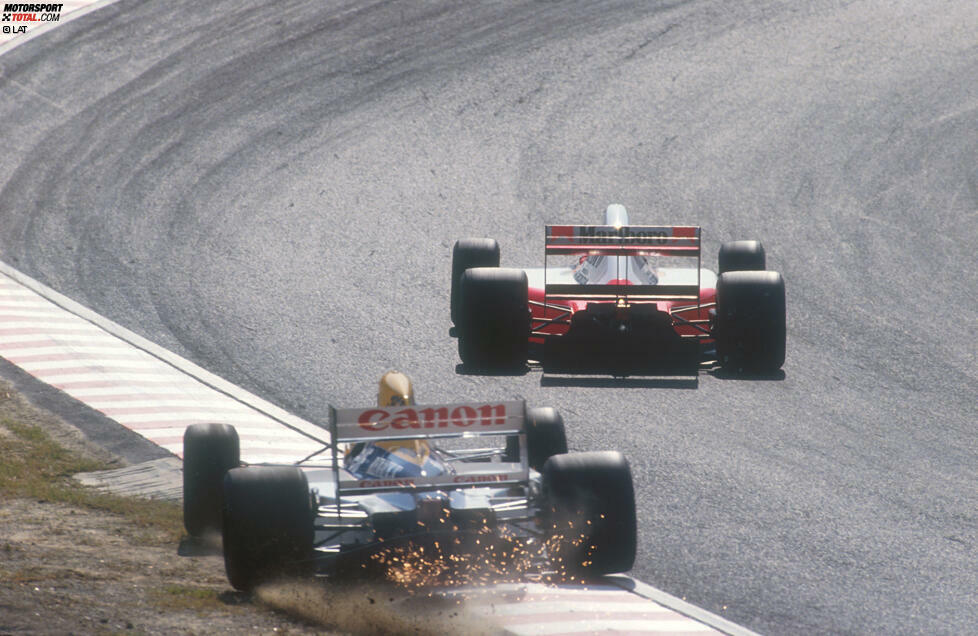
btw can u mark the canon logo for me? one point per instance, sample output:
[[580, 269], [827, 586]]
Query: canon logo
[[479, 479], [384, 483], [408, 418]]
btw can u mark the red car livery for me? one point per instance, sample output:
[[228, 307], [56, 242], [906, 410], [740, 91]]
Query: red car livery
[[619, 299]]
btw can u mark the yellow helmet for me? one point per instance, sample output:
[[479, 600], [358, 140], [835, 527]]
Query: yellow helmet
[[395, 390]]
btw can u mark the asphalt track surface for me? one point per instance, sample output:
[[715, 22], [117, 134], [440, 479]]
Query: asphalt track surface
[[272, 191]]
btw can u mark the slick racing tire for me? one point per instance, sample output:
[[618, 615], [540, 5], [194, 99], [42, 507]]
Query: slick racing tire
[[545, 437], [750, 321], [740, 256], [268, 525], [591, 506], [209, 451], [494, 318], [469, 253]]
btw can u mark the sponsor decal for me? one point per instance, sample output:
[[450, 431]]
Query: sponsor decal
[[480, 479], [412, 482], [610, 235], [17, 18], [601, 235], [386, 483], [462, 416]]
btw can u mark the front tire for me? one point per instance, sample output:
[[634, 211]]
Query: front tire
[[268, 524], [209, 451], [592, 521], [494, 318], [750, 326], [545, 437], [741, 256], [466, 254]]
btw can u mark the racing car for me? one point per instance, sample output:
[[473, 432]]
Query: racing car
[[434, 479], [619, 299]]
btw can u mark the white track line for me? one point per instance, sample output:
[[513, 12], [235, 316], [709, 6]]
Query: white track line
[[127, 383]]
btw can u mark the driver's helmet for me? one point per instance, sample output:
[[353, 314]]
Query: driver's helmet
[[394, 458], [395, 390]]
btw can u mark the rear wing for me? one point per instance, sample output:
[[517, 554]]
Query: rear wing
[[624, 241], [439, 421]]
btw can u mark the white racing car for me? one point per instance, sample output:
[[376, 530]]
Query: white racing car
[[426, 481]]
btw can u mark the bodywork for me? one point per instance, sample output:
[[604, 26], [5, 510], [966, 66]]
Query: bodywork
[[622, 299], [466, 494]]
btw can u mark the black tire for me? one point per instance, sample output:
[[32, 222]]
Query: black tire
[[545, 437], [494, 318], [741, 256], [268, 524], [468, 253], [209, 451], [750, 321], [592, 524]]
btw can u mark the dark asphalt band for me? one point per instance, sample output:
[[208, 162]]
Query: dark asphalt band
[[100, 430]]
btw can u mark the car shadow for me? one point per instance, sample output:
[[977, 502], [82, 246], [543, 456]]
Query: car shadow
[[200, 546], [461, 369], [688, 383], [726, 374]]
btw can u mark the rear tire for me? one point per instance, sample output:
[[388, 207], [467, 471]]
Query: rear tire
[[268, 524], [466, 254], [494, 318], [750, 327], [209, 451], [545, 437], [740, 256], [593, 487]]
